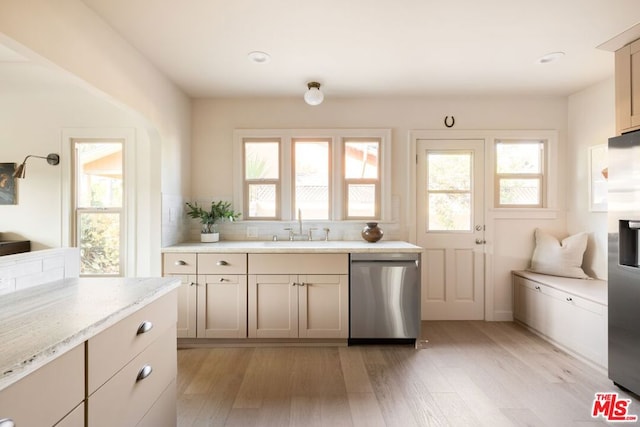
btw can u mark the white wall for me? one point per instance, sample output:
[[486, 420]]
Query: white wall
[[215, 119], [591, 122], [39, 111], [70, 36]]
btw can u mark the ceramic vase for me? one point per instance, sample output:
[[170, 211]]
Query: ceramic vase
[[372, 233]]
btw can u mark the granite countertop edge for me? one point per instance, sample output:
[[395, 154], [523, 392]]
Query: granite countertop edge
[[36, 356]]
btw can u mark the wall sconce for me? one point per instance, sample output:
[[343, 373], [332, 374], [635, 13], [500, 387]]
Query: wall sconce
[[53, 159], [313, 96]]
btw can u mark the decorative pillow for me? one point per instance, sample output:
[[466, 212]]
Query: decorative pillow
[[559, 258]]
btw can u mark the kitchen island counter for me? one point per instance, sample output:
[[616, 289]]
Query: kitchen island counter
[[41, 323]]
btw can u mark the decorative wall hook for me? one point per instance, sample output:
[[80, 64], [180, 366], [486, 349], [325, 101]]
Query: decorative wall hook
[[446, 121]]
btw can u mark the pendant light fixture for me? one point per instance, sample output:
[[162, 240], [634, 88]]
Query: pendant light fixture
[[53, 159], [313, 96]]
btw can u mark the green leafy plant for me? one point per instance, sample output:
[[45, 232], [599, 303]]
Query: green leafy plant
[[218, 210]]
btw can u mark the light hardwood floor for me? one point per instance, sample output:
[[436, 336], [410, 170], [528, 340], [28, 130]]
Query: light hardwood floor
[[469, 374]]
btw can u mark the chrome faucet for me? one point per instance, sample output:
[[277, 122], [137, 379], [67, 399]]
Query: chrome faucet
[[293, 234]]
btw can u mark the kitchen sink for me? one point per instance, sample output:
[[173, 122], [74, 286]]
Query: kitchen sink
[[9, 247]]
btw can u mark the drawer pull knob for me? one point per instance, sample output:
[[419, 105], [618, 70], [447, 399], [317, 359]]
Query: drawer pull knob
[[222, 262], [144, 327], [144, 372], [180, 262], [7, 422], [569, 299], [192, 284], [302, 284], [537, 288], [222, 279], [294, 284]]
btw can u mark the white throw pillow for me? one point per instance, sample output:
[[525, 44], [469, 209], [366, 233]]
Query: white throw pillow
[[559, 258]]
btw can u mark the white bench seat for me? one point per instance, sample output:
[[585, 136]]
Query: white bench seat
[[571, 313]]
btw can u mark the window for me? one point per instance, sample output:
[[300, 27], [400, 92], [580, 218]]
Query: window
[[98, 206], [361, 178], [449, 181], [311, 184], [326, 175], [261, 179], [520, 173]]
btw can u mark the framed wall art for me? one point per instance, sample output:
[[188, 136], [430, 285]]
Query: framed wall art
[[7, 184]]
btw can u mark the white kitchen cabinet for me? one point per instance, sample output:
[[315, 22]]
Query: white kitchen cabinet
[[131, 364], [222, 306], [212, 300], [298, 296], [46, 396], [627, 82], [556, 309], [184, 266]]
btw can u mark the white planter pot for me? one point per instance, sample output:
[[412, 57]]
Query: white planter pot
[[209, 237]]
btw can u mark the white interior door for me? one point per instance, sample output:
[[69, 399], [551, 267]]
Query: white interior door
[[450, 216]]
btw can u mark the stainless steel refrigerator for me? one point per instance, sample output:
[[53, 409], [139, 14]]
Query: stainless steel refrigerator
[[624, 260]]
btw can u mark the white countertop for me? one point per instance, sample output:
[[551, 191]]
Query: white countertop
[[286, 246], [40, 323]]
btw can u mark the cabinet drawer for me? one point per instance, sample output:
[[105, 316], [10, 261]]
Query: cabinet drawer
[[179, 264], [573, 300], [222, 263], [298, 264], [45, 396], [110, 350], [126, 398], [74, 419]]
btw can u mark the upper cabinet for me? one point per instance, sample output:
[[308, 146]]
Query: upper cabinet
[[628, 88]]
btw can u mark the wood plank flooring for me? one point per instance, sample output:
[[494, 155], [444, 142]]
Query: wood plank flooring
[[468, 374]]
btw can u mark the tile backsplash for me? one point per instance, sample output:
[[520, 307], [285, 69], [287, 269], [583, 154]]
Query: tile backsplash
[[21, 271]]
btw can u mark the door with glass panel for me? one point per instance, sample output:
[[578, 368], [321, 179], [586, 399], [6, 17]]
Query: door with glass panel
[[99, 200], [450, 226]]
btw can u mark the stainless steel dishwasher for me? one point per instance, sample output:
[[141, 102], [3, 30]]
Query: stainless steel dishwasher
[[384, 297]]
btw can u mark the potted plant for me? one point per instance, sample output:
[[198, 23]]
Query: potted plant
[[208, 218]]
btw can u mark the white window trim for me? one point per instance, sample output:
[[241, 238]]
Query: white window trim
[[129, 212], [541, 176], [336, 136]]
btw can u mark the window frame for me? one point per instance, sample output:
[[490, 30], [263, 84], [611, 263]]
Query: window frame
[[78, 211], [246, 183], [347, 181], [329, 141], [337, 192], [541, 176]]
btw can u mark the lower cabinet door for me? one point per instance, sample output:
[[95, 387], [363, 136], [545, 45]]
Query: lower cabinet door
[[126, 398], [222, 306], [273, 306], [323, 306], [187, 306]]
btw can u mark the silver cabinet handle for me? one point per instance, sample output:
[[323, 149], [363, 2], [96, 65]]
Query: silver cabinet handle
[[180, 262], [537, 288], [193, 284], [480, 241], [144, 372], [144, 327], [302, 284], [295, 284], [222, 262], [222, 279], [569, 299], [7, 422]]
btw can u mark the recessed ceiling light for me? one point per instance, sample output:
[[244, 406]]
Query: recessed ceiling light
[[259, 57], [550, 57]]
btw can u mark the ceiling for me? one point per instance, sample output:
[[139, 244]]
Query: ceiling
[[366, 48], [360, 48]]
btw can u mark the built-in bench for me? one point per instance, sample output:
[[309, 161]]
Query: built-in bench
[[571, 313]]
